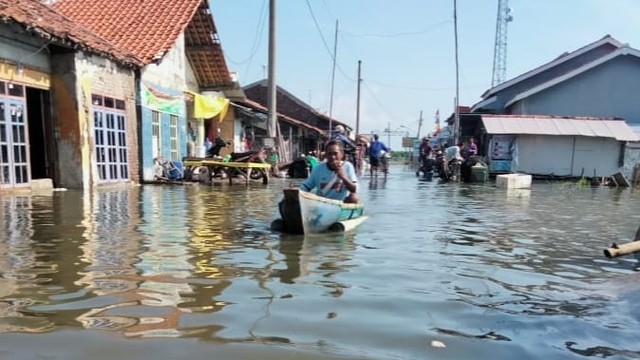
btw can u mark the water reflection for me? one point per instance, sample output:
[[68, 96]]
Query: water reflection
[[473, 266]]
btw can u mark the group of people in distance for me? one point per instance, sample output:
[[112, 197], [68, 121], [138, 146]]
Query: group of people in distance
[[461, 152], [336, 178]]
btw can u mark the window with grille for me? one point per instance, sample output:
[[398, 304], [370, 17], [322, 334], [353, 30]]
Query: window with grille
[[155, 134], [110, 124], [173, 136]]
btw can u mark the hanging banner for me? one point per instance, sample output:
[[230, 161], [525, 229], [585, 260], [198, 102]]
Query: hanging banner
[[205, 107], [161, 101]]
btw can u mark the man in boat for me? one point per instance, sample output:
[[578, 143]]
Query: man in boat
[[334, 178]]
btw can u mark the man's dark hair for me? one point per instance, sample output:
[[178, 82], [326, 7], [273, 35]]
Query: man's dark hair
[[375, 136], [334, 142]]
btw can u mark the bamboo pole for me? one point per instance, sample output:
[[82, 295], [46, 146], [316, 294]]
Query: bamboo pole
[[616, 250]]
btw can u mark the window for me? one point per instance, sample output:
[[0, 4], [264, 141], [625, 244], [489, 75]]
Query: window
[[111, 140], [155, 135], [173, 136]]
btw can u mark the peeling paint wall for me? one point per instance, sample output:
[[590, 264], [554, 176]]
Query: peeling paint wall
[[75, 78], [172, 76], [65, 116]]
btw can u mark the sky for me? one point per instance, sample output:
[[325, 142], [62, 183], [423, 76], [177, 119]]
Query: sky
[[406, 49]]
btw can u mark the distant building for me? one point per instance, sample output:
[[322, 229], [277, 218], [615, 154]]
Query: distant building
[[575, 110]]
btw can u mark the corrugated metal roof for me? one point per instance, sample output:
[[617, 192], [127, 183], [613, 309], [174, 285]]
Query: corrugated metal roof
[[550, 125]]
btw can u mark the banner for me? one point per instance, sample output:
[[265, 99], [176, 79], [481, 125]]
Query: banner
[[161, 101], [205, 107]]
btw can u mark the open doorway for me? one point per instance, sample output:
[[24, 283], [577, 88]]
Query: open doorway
[[41, 134]]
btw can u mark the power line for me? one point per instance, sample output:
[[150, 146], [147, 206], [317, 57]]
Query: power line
[[399, 34], [256, 39]]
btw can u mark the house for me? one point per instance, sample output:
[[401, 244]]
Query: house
[[298, 137], [292, 107], [182, 59], [597, 82], [67, 103]]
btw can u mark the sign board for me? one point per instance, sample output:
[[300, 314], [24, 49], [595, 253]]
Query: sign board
[[269, 142], [407, 142]]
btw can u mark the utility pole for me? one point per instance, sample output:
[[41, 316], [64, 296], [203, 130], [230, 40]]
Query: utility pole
[[389, 133], [419, 125], [358, 100], [333, 77], [456, 127], [271, 81]]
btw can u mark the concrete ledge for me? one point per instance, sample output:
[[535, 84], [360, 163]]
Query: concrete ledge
[[41, 185], [513, 181]]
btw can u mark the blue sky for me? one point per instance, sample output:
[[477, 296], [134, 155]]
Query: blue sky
[[407, 50]]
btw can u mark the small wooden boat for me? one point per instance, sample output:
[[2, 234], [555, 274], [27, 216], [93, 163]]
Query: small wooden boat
[[306, 213]]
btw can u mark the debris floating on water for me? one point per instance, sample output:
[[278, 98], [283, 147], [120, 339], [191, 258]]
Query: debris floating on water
[[438, 344]]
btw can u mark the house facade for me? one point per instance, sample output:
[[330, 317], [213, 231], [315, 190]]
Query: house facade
[[181, 54], [594, 85], [67, 104]]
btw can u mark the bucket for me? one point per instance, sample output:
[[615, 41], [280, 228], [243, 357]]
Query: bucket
[[479, 173]]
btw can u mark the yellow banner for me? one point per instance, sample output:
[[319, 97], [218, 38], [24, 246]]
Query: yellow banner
[[205, 107]]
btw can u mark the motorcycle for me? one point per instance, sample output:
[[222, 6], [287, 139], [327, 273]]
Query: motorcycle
[[384, 162], [255, 156], [426, 167]]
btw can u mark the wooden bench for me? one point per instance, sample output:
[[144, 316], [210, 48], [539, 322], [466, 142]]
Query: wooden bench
[[228, 168]]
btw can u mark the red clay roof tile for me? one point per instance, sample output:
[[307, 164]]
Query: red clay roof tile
[[150, 28], [46, 22]]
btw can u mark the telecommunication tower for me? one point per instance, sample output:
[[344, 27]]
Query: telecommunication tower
[[500, 48]]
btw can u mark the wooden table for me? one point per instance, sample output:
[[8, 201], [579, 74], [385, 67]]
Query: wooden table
[[245, 168]]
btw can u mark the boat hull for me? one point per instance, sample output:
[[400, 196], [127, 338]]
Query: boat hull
[[304, 212]]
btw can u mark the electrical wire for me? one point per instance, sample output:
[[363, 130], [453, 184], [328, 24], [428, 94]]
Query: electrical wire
[[256, 39]]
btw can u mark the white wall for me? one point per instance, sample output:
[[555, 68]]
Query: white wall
[[567, 155], [171, 71]]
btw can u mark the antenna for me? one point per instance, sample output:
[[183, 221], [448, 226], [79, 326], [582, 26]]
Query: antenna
[[500, 47]]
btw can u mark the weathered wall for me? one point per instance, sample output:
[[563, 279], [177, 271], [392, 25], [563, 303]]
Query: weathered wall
[[65, 115], [75, 78], [605, 91], [101, 76], [21, 48]]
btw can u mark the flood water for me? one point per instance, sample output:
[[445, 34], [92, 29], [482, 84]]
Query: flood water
[[437, 271]]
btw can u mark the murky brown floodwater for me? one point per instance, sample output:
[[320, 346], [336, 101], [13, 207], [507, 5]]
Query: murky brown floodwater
[[193, 272]]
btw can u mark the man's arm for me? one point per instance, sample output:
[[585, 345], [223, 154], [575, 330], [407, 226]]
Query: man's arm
[[347, 174], [311, 181]]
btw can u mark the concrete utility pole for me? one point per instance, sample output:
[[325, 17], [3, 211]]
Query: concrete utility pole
[[271, 81], [358, 100], [333, 78], [456, 124], [419, 125]]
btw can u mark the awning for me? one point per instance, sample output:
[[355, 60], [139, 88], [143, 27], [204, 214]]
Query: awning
[[551, 125]]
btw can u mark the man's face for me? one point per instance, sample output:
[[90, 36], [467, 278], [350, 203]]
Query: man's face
[[333, 154]]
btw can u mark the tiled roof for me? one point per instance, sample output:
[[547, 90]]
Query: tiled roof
[[259, 107], [150, 28], [45, 22], [290, 105]]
